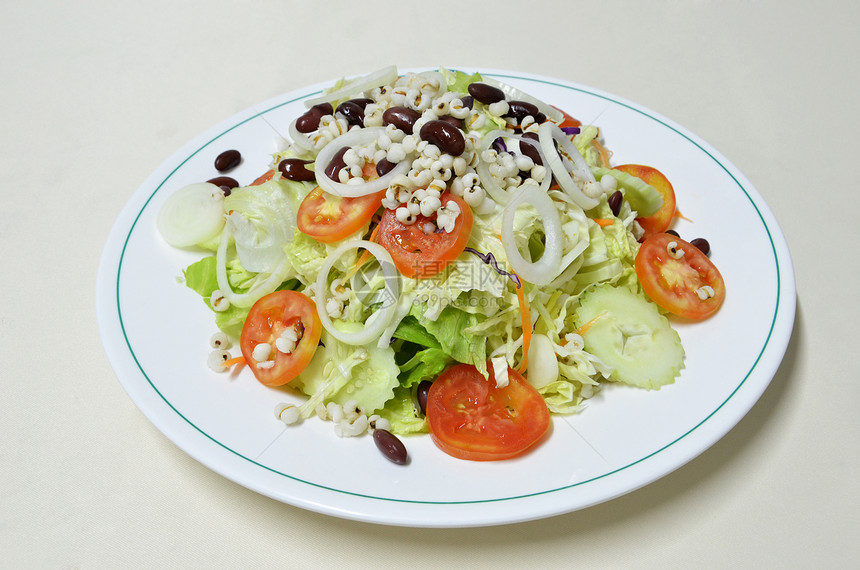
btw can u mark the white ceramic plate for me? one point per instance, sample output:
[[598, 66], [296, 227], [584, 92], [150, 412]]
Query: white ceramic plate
[[156, 332]]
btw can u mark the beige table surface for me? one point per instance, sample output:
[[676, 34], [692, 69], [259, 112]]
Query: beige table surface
[[95, 95]]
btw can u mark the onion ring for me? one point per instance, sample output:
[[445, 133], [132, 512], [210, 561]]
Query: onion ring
[[353, 138], [377, 322], [550, 133], [384, 76], [546, 268]]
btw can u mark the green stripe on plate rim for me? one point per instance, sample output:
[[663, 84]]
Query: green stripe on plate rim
[[524, 496]]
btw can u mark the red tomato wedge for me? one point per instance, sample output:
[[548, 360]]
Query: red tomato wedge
[[329, 218], [470, 418], [568, 121], [686, 284], [659, 222], [417, 254], [263, 178], [267, 321]]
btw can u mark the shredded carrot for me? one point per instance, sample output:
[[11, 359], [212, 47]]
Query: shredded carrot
[[584, 328], [525, 316], [604, 153], [603, 222], [366, 256], [233, 361], [678, 214]]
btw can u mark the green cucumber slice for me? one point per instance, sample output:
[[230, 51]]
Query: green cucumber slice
[[643, 197], [631, 336]]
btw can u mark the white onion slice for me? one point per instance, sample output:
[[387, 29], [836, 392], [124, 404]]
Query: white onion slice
[[514, 94], [260, 289], [354, 138], [547, 134], [384, 76], [302, 141], [378, 321], [496, 192], [191, 215], [546, 268]]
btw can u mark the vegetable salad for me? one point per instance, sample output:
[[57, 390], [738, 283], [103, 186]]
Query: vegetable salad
[[440, 252]]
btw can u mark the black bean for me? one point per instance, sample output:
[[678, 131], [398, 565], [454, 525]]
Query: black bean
[[310, 121], [390, 446], [446, 136], [468, 101], [615, 200], [519, 110], [531, 150], [294, 169], [421, 395], [227, 160], [486, 94], [383, 167], [224, 181], [702, 245], [337, 163], [353, 112], [401, 117]]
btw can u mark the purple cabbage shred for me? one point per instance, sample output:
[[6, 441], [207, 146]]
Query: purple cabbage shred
[[490, 260]]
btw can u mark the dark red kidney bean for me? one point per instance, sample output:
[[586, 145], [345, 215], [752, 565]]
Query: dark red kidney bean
[[353, 112], [224, 181], [294, 169], [615, 200], [702, 245], [362, 102], [468, 101], [673, 232], [390, 446], [401, 117], [486, 94], [519, 110], [453, 120], [540, 118], [421, 395], [226, 190], [383, 167], [530, 150], [336, 164], [446, 136], [227, 160], [310, 121]]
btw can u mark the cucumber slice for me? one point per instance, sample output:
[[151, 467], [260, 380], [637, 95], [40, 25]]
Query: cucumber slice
[[643, 197], [630, 335]]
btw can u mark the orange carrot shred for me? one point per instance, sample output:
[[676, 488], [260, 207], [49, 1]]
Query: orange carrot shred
[[584, 328], [603, 222], [678, 214], [604, 153], [233, 361], [366, 256]]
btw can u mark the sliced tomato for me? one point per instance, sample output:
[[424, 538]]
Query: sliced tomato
[[263, 178], [568, 121], [329, 218], [470, 418], [688, 285], [420, 255], [659, 222], [267, 320]]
